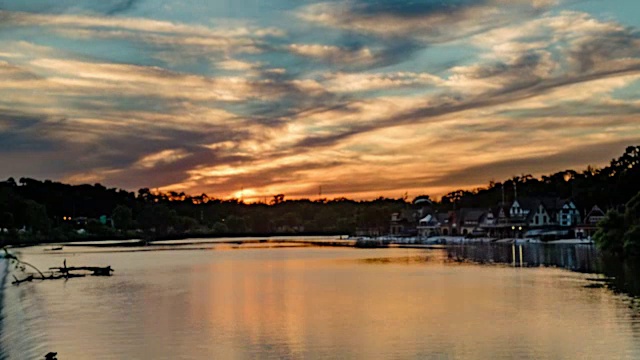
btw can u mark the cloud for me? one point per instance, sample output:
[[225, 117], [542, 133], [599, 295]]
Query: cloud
[[354, 82], [334, 54], [106, 7], [118, 79], [430, 22], [569, 158], [163, 35], [216, 108], [128, 24]]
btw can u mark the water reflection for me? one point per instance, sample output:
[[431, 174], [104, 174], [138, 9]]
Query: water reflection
[[3, 282], [581, 258], [290, 303], [623, 277]]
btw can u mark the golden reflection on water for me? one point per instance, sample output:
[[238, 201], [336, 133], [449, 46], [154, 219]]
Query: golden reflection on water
[[321, 303]]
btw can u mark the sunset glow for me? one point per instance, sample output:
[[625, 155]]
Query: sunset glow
[[242, 99]]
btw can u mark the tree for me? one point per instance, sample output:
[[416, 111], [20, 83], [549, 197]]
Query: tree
[[277, 199], [6, 221], [157, 218], [632, 242], [185, 224], [620, 234], [95, 227], [632, 234], [236, 224], [122, 217], [36, 217], [220, 228], [610, 233]]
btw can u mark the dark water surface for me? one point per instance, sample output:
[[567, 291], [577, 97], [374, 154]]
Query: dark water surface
[[227, 302]]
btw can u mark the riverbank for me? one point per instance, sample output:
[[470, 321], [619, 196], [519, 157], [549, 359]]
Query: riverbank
[[333, 240], [460, 240], [130, 237], [4, 273]]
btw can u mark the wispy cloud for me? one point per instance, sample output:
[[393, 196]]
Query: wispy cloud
[[339, 94], [432, 22], [333, 54]]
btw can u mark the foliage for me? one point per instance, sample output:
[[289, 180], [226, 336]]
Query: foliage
[[620, 233], [6, 220], [122, 217], [610, 233], [220, 228]]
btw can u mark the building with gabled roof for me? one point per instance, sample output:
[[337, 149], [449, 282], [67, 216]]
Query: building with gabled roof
[[590, 224]]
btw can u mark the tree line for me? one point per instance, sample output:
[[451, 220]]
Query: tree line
[[37, 210]]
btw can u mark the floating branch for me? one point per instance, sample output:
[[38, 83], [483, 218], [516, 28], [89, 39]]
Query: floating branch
[[8, 255], [63, 272], [96, 271], [17, 281]]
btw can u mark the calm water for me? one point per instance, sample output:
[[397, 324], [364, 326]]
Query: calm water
[[314, 302]]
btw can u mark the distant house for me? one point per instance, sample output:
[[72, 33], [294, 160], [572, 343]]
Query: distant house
[[568, 214], [539, 216], [544, 212], [372, 231], [490, 221], [428, 226], [521, 208], [397, 224], [444, 219], [594, 216], [469, 220], [590, 225], [502, 215], [450, 227], [404, 223]]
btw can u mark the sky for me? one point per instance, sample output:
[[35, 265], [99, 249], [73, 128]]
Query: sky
[[250, 98]]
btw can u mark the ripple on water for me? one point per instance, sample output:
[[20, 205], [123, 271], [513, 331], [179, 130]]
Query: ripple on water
[[316, 303]]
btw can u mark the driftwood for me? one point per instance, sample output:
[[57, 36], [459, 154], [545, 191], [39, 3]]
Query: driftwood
[[97, 271], [63, 272], [18, 281]]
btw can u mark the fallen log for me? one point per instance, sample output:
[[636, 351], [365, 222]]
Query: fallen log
[[96, 270], [65, 272]]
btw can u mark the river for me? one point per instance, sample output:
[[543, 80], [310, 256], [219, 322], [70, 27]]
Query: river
[[287, 301]]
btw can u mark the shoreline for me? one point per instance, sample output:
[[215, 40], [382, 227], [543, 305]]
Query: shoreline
[[329, 240], [4, 273]]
